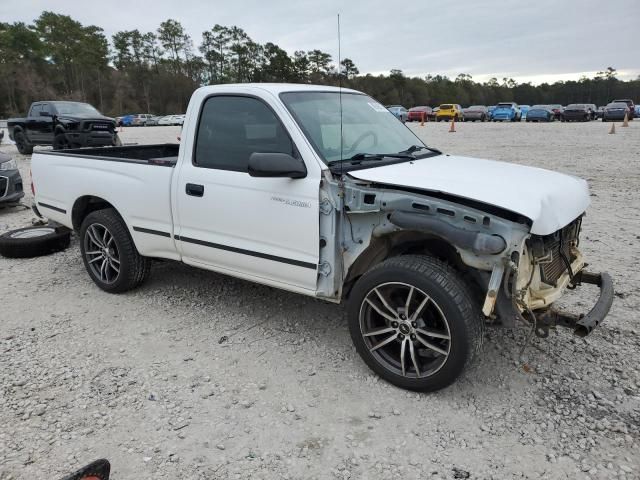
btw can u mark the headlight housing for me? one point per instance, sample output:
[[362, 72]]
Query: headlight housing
[[10, 165]]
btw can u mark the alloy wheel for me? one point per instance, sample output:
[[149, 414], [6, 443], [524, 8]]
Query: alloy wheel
[[405, 330], [102, 254]]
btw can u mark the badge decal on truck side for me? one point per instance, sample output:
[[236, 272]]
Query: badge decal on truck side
[[293, 203]]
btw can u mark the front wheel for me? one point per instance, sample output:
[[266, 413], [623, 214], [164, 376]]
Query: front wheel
[[109, 254], [413, 322], [60, 142]]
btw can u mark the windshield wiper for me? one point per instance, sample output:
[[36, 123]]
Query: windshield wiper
[[415, 148], [361, 157]]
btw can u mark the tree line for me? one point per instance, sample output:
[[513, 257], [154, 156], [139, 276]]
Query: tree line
[[56, 57]]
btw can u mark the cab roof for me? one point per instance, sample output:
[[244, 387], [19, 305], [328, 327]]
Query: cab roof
[[275, 88]]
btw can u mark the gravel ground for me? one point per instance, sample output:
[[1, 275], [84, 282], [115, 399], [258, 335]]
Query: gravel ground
[[197, 375]]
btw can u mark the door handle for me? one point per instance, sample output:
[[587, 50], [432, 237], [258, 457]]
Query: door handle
[[195, 190]]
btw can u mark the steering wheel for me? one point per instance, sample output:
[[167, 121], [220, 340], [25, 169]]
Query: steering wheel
[[358, 141]]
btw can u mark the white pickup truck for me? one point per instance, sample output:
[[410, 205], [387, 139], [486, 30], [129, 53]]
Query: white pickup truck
[[323, 192]]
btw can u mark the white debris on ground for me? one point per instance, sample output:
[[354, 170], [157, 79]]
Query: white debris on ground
[[197, 375]]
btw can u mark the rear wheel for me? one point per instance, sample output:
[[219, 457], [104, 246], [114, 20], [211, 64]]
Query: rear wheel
[[109, 254], [23, 146], [413, 322]]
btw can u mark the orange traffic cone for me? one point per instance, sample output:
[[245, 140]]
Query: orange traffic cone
[[625, 122], [613, 129], [452, 129], [422, 120]]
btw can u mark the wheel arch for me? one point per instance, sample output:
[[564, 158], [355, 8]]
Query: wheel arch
[[86, 204], [406, 242]]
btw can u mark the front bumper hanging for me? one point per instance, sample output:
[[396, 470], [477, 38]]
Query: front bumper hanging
[[581, 324]]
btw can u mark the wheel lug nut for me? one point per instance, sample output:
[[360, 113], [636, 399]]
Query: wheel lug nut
[[413, 337], [414, 324], [403, 316], [401, 337], [394, 324]]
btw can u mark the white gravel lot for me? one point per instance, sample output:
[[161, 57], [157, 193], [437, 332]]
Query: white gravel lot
[[198, 375]]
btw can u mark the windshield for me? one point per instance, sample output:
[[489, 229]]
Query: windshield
[[367, 126], [446, 107], [476, 107], [539, 107], [504, 105], [71, 108], [577, 106]]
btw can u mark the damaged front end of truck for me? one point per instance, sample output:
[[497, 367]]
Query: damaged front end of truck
[[516, 275]]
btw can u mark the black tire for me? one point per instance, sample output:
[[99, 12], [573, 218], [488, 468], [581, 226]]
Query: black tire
[[23, 146], [60, 142], [449, 299], [133, 268], [34, 241]]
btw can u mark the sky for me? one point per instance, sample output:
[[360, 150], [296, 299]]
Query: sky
[[528, 40]]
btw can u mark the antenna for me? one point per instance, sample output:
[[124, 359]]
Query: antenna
[[340, 96]]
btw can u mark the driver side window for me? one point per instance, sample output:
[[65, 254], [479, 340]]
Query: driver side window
[[231, 128]]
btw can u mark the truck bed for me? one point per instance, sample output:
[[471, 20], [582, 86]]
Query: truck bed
[[165, 154], [130, 178]]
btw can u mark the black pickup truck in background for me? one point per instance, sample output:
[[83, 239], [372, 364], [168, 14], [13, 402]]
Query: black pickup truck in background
[[62, 125]]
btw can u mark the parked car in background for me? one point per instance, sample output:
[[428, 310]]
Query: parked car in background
[[124, 121], [153, 121], [11, 189], [524, 109], [540, 113], [577, 112], [400, 112], [166, 120], [637, 111], [615, 111], [475, 113], [140, 120], [630, 104], [506, 112], [557, 110], [63, 125], [171, 120], [417, 114], [599, 112], [448, 111]]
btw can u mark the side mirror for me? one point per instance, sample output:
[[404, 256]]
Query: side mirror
[[274, 165]]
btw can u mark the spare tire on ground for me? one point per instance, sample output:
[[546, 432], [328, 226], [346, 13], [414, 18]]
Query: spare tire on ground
[[34, 241]]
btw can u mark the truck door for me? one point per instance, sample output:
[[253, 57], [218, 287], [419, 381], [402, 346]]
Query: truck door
[[45, 125], [33, 123], [265, 229]]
